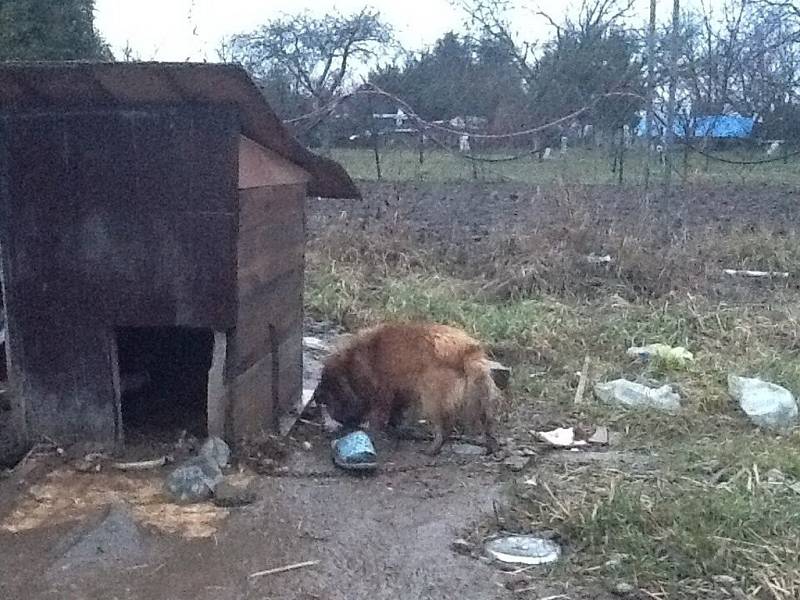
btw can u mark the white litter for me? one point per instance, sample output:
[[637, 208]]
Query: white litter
[[523, 550], [636, 395], [768, 405], [563, 437], [748, 273]]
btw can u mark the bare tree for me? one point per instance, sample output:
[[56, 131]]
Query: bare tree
[[318, 53]]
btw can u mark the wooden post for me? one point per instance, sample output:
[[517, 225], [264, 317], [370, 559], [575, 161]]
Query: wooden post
[[669, 139], [374, 136], [651, 84], [217, 397]]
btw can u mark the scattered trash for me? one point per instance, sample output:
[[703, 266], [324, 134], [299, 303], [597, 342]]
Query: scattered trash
[[500, 374], [636, 395], [217, 451], [194, 480], [316, 344], [517, 463], [230, 495], [595, 259], [354, 452], [523, 550], [601, 437], [768, 405], [563, 437], [275, 571], [677, 357], [141, 465], [747, 273]]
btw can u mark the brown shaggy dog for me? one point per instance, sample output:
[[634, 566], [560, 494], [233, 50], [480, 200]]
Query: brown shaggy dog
[[437, 369]]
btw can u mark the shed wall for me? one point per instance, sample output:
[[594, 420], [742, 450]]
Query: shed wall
[[110, 218], [265, 363]]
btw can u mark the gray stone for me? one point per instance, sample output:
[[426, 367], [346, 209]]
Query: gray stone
[[635, 395], [113, 539], [517, 463], [768, 405], [461, 546], [230, 495], [217, 451], [468, 449], [195, 480]]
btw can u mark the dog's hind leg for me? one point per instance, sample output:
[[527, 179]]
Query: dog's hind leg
[[440, 393], [482, 397]]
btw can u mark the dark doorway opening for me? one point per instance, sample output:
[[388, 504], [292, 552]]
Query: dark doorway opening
[[163, 374]]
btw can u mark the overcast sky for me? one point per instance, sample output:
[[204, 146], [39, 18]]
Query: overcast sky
[[177, 30]]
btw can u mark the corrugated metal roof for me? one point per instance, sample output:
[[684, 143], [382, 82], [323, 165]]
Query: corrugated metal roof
[[37, 85]]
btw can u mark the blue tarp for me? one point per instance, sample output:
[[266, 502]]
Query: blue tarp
[[715, 126]]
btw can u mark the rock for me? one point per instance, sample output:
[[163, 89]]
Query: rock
[[194, 480], [217, 451], [500, 374], [516, 464], [768, 405], [636, 395], [461, 546], [230, 495], [109, 541], [468, 449]]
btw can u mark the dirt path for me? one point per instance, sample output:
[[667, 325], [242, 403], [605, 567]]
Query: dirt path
[[386, 536]]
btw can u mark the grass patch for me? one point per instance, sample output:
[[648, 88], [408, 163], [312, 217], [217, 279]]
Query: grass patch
[[706, 517], [582, 166], [702, 504]]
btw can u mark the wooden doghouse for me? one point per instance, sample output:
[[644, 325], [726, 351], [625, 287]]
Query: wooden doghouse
[[144, 198]]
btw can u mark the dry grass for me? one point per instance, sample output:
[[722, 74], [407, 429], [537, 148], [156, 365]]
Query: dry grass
[[701, 506]]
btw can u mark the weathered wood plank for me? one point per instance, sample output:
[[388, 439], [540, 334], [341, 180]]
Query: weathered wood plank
[[111, 219], [251, 397], [279, 303], [275, 205]]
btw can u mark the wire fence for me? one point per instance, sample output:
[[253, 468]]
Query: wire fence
[[554, 151]]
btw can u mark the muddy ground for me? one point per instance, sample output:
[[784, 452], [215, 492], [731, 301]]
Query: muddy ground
[[386, 536]]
